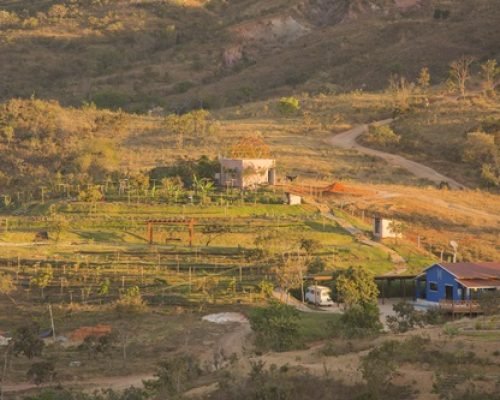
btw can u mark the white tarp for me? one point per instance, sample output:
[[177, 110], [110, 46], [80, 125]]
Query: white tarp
[[226, 317]]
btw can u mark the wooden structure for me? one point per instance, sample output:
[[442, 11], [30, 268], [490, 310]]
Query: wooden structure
[[386, 284], [460, 307], [169, 221]]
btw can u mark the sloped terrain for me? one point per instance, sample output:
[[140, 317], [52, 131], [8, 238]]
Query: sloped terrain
[[184, 54]]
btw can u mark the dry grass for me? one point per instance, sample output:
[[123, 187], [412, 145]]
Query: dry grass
[[438, 216]]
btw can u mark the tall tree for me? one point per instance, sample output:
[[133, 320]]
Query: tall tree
[[460, 73], [489, 72], [356, 286]]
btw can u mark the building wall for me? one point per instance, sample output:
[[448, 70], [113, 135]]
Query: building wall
[[293, 200], [247, 172], [438, 275], [384, 230]]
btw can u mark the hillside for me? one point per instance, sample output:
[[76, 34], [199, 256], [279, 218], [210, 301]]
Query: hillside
[[182, 54]]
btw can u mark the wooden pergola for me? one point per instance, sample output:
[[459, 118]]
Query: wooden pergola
[[170, 221]]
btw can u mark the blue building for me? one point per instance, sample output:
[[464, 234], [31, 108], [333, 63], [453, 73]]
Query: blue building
[[457, 281]]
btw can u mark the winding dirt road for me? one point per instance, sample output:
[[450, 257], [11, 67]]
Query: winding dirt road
[[347, 140]]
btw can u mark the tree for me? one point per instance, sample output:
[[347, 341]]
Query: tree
[[95, 346], [59, 224], [7, 285], [310, 246], [356, 286], [26, 341], [490, 175], [489, 72], [378, 368], [289, 272], [276, 326], [202, 187], [480, 148], [397, 228], [43, 278], [360, 320], [424, 79], [173, 376], [382, 136], [8, 134], [130, 300], [92, 195], [405, 318], [460, 73], [214, 230], [489, 302], [41, 372], [172, 187]]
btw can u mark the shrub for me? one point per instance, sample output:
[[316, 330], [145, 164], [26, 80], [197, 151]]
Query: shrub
[[378, 367], [26, 341], [183, 87], [173, 376], [382, 136], [480, 148], [490, 303], [405, 318], [41, 372], [8, 19], [276, 327], [288, 105], [130, 300], [110, 99], [360, 321]]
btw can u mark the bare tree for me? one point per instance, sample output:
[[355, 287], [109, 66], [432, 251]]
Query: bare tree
[[460, 73], [489, 71]]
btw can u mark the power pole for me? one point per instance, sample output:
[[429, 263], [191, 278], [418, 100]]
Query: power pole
[[52, 323]]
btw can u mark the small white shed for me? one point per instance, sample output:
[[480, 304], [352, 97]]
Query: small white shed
[[385, 228], [293, 199]]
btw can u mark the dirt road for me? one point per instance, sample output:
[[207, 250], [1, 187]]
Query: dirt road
[[347, 140]]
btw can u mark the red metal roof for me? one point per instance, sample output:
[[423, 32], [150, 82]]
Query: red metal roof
[[479, 283], [468, 270]]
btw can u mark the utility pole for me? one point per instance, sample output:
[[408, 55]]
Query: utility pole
[[52, 323]]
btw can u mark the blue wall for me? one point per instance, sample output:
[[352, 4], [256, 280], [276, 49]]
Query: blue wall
[[441, 277]]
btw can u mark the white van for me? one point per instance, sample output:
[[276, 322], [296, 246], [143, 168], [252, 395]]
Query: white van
[[319, 295]]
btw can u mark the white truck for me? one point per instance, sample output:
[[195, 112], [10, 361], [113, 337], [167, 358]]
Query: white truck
[[319, 295]]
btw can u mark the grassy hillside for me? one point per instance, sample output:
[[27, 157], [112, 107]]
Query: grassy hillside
[[182, 54]]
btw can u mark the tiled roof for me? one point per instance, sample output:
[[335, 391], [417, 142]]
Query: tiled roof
[[468, 270]]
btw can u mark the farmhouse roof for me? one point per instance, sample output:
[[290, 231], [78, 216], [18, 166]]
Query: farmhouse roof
[[480, 283], [469, 270]]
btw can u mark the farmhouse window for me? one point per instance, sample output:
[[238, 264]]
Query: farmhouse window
[[433, 286]]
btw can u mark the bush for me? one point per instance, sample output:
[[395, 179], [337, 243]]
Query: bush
[[110, 99], [360, 321], [41, 372], [8, 19], [490, 302], [288, 105], [183, 87], [173, 376], [382, 136], [276, 327], [130, 301], [405, 319]]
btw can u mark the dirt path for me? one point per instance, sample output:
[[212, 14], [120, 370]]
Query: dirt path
[[347, 140], [398, 261]]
